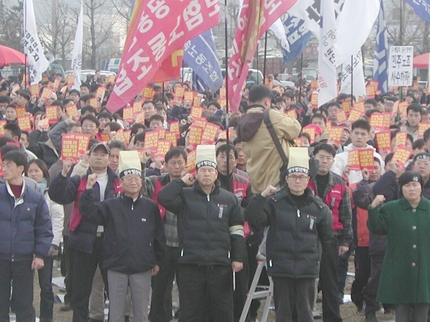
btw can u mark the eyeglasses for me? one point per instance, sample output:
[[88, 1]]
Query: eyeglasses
[[129, 179], [300, 178]]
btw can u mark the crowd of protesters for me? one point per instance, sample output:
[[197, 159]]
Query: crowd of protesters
[[276, 185]]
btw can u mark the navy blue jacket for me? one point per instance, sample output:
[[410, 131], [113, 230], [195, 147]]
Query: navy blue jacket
[[25, 226], [134, 233]]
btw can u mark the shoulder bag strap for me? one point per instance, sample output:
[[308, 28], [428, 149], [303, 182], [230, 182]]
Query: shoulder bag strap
[[275, 139]]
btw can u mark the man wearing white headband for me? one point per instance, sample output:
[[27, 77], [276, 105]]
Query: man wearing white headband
[[212, 244], [300, 223], [134, 243]]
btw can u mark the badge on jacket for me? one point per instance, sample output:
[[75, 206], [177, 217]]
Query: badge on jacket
[[221, 210]]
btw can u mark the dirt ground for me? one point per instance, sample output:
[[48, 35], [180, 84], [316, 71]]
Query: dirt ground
[[348, 310]]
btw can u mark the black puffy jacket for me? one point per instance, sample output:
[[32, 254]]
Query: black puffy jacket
[[210, 227], [295, 235], [133, 231]]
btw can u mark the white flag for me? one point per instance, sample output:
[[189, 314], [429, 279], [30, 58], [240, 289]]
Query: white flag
[[353, 65], [326, 56], [32, 48], [77, 50], [354, 25], [279, 31], [310, 12]]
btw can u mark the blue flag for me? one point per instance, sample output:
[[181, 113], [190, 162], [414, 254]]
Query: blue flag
[[380, 62], [421, 8], [200, 55], [298, 37]]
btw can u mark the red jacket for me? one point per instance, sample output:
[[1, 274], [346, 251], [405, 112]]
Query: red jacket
[[337, 198]]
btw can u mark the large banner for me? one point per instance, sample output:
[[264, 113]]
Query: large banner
[[255, 18], [158, 28], [310, 12], [32, 48], [354, 24], [200, 54], [297, 35]]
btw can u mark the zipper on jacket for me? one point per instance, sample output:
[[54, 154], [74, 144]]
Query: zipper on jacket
[[298, 213], [208, 222]]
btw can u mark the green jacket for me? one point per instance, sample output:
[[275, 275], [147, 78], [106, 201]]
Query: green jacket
[[405, 276]]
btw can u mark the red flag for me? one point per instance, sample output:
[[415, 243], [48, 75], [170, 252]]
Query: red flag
[[162, 28], [255, 18], [170, 68]]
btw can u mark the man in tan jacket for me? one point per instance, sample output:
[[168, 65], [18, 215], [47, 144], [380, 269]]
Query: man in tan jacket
[[264, 160]]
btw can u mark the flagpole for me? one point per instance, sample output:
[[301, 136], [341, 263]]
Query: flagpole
[[226, 94], [23, 48], [300, 78], [265, 58], [352, 81]]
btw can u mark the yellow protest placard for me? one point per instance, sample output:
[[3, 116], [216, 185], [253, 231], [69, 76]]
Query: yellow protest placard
[[24, 123], [171, 136], [151, 141], [20, 111], [196, 111], [128, 114], [402, 155], [72, 110], [383, 140], [69, 149], [209, 134], [195, 135], [52, 114]]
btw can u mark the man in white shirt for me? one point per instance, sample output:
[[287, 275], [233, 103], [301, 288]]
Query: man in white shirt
[[360, 134]]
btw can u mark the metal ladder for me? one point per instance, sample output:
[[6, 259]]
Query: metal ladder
[[266, 293]]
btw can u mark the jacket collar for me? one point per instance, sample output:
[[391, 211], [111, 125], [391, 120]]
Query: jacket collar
[[19, 200], [129, 199], [406, 205], [255, 107], [165, 179], [215, 190], [9, 189], [308, 192]]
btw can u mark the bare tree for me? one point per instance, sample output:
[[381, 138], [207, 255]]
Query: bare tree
[[11, 26], [404, 27], [101, 21], [123, 8], [57, 35]]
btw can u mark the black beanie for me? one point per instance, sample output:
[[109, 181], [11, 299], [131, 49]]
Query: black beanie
[[410, 176]]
